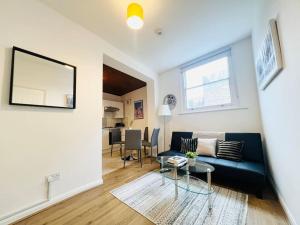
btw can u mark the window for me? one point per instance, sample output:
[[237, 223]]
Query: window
[[208, 83]]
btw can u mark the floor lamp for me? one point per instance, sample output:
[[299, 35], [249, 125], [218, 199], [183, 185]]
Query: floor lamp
[[164, 110]]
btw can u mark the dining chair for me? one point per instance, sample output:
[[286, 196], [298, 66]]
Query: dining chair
[[133, 142], [153, 142], [146, 137], [116, 139], [146, 134]]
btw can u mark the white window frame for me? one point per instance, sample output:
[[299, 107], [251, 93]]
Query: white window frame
[[226, 52]]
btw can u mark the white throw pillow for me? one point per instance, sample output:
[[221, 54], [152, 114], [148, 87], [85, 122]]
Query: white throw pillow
[[207, 146]]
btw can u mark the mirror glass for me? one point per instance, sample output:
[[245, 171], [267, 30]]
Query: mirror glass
[[40, 81]]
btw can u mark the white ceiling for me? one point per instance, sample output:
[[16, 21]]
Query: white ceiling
[[191, 28]]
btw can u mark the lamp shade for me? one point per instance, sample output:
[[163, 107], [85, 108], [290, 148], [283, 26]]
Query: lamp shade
[[164, 110], [135, 16]]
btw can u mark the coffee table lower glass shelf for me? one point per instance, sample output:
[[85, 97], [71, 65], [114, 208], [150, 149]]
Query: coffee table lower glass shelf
[[182, 178]]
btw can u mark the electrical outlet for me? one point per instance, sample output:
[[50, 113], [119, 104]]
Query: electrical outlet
[[53, 177]]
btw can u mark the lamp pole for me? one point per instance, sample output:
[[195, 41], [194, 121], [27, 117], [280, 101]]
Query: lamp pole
[[164, 133], [164, 111]]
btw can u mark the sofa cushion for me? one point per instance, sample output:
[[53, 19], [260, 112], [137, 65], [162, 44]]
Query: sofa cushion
[[236, 169], [246, 172], [188, 145], [231, 150], [206, 159], [207, 146], [176, 139], [252, 149], [209, 134], [252, 167], [251, 173], [225, 163]]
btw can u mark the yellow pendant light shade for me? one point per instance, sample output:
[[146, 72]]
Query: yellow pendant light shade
[[135, 16]]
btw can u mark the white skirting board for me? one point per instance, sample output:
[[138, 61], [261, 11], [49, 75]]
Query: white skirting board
[[283, 203], [53, 201]]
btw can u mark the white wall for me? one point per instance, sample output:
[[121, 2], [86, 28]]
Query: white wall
[[36, 142], [280, 104], [238, 120], [128, 99]]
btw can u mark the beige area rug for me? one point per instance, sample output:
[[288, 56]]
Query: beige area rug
[[156, 202]]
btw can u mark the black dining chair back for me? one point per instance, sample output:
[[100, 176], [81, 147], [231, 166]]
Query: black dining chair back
[[154, 137], [133, 141], [146, 134], [115, 138], [152, 143], [115, 135]]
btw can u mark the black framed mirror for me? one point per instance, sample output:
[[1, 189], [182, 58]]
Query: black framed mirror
[[37, 80]]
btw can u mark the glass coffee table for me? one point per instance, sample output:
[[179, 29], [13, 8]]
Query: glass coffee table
[[181, 175]]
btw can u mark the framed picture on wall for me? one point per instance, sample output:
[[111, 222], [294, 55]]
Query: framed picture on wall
[[269, 60], [138, 110]]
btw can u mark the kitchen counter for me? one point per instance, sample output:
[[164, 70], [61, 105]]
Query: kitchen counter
[[107, 128]]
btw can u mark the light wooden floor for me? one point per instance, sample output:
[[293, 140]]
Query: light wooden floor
[[98, 206], [110, 164]]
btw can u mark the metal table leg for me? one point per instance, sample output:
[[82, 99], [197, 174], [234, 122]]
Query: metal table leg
[[209, 189], [188, 176], [163, 181], [176, 182]]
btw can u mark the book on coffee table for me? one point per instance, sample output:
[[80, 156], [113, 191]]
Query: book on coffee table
[[177, 160]]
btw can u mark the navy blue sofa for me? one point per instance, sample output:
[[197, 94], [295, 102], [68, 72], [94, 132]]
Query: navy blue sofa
[[250, 172]]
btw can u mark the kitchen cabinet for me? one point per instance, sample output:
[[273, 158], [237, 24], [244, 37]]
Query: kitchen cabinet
[[118, 114], [105, 139]]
